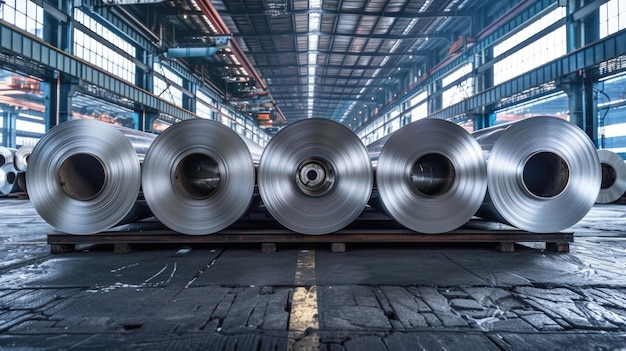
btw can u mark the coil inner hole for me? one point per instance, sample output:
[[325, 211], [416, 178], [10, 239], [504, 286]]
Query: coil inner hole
[[3, 160], [433, 174], [546, 174], [315, 177], [197, 176], [10, 177], [82, 177], [609, 176]]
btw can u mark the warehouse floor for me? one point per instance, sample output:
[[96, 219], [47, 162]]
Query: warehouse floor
[[372, 297]]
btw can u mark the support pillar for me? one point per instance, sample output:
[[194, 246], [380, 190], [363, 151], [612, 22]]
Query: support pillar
[[582, 104]]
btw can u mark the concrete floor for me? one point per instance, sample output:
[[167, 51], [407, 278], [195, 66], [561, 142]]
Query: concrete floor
[[372, 297]]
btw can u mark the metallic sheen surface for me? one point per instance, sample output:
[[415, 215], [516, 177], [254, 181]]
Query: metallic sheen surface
[[21, 158], [84, 176], [543, 174], [613, 177], [431, 176], [198, 177], [6, 155], [21, 182], [8, 178], [315, 176]]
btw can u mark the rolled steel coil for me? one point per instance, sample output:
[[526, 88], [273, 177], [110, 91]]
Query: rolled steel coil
[[8, 178], [315, 176], [431, 176], [21, 182], [21, 158], [613, 177], [6, 155], [84, 176], [198, 177], [543, 174]]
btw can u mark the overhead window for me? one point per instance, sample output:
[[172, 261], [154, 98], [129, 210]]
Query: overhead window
[[164, 88], [612, 17], [541, 51], [456, 91], [23, 14], [95, 48]]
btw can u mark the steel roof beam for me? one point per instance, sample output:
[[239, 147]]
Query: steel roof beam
[[391, 14], [439, 35], [346, 53]]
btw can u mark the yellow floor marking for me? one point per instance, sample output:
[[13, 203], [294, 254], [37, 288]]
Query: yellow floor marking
[[304, 312]]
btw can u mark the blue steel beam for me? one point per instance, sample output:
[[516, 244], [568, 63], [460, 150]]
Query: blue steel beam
[[32, 48], [482, 44], [591, 55]]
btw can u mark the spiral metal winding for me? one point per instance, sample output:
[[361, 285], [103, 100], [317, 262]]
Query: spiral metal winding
[[613, 177], [8, 178], [21, 158], [84, 176], [431, 176], [315, 176], [543, 174], [198, 177]]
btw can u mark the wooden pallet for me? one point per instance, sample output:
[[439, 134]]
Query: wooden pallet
[[125, 236]]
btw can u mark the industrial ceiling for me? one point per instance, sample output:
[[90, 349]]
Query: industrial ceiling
[[335, 59]]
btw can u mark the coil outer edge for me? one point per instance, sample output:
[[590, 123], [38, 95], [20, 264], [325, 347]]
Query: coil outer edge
[[209, 214], [336, 155], [618, 187], [424, 212]]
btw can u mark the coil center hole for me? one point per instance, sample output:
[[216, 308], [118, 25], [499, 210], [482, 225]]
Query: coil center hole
[[546, 174], [10, 177], [609, 176], [315, 177], [311, 175], [82, 177], [433, 174], [197, 176]]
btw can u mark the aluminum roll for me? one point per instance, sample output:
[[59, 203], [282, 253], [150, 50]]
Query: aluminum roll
[[198, 177], [21, 182], [84, 176], [431, 176], [21, 158], [315, 176], [543, 174], [8, 178], [6, 155], [613, 184]]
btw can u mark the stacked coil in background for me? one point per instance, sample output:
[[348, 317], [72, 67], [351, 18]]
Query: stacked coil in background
[[199, 177], [13, 167], [315, 176], [430, 176], [84, 176], [21, 158], [6, 155], [613, 184], [543, 174], [8, 173]]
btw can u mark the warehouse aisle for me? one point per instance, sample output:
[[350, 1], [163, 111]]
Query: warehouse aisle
[[372, 297]]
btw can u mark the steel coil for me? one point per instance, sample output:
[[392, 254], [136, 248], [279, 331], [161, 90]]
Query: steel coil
[[315, 176], [21, 182], [84, 176], [6, 155], [613, 177], [431, 176], [8, 178], [543, 174], [21, 158], [198, 177]]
